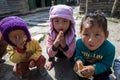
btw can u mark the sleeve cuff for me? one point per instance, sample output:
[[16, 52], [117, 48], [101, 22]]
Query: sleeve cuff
[[65, 48], [54, 48]]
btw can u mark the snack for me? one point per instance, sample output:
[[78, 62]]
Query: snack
[[79, 73]]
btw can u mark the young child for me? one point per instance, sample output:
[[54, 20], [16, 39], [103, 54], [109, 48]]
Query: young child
[[116, 68], [3, 46], [24, 51], [61, 39], [93, 50]]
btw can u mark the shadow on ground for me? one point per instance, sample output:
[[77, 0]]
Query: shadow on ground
[[35, 74], [63, 70]]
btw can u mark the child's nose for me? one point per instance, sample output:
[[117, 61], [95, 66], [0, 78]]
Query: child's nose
[[60, 24], [91, 39]]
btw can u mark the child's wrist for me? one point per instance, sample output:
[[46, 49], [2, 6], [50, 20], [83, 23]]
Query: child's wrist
[[65, 48], [31, 60], [54, 48], [93, 67]]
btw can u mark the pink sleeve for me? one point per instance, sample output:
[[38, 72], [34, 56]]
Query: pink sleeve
[[50, 52], [71, 49]]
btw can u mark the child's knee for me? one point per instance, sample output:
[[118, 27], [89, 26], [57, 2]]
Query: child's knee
[[20, 69]]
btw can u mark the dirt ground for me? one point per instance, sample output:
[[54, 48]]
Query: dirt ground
[[114, 37]]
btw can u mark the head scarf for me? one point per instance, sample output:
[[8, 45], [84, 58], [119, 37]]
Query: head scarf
[[11, 23], [66, 12]]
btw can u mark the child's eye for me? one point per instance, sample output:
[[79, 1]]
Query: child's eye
[[97, 34], [86, 34], [55, 21], [66, 21]]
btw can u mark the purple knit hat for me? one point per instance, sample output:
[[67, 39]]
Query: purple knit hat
[[66, 12], [11, 23]]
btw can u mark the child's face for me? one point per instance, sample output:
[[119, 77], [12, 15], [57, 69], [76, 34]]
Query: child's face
[[92, 37], [61, 24], [18, 36]]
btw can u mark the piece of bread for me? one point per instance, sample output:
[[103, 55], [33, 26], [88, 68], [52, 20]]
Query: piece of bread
[[79, 73]]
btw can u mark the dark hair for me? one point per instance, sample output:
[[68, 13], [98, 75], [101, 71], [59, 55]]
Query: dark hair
[[95, 19]]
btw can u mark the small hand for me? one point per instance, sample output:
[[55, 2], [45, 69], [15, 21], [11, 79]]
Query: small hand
[[78, 65], [88, 71], [62, 40], [57, 40], [32, 64], [28, 54]]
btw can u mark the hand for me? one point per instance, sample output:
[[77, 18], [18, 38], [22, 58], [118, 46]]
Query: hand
[[88, 71], [28, 54], [32, 64], [57, 40], [62, 39], [78, 65]]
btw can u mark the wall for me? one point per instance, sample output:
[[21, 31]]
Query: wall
[[94, 5], [13, 7]]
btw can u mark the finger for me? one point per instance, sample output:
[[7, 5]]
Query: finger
[[61, 33], [75, 68], [78, 66]]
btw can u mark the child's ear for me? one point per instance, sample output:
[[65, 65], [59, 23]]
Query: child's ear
[[107, 34]]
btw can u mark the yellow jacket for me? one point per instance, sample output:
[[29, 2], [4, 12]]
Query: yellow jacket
[[33, 52]]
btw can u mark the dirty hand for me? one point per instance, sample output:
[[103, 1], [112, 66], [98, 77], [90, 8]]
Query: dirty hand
[[57, 40], [62, 39], [78, 65], [28, 54], [88, 71], [32, 64]]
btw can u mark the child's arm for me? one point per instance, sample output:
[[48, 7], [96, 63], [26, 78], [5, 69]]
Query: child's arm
[[51, 49], [78, 65], [82, 70], [15, 56], [87, 71], [106, 62], [36, 49], [71, 49]]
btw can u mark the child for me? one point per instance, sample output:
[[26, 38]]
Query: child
[[61, 39], [116, 68], [3, 46], [93, 50], [24, 51]]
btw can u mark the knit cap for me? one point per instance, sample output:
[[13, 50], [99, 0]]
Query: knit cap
[[11, 23], [66, 12]]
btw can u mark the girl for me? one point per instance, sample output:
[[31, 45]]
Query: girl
[[93, 50], [61, 39], [24, 51]]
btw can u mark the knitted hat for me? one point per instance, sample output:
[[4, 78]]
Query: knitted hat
[[11, 23], [66, 12]]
